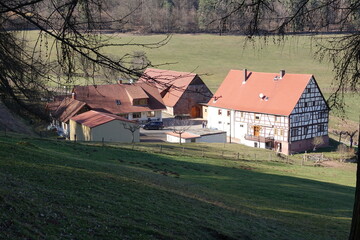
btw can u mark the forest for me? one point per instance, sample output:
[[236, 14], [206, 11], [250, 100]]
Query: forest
[[214, 16]]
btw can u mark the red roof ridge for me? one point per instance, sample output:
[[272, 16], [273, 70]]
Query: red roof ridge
[[279, 92]]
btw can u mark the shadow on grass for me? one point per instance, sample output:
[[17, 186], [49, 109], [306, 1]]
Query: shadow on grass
[[234, 202]]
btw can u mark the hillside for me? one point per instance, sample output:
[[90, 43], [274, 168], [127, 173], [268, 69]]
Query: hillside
[[55, 189], [12, 122]]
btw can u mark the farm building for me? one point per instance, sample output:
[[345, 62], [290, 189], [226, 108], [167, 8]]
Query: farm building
[[197, 135], [182, 92], [64, 110], [100, 126], [284, 112], [139, 101]]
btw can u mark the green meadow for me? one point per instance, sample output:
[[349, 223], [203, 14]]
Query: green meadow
[[62, 190]]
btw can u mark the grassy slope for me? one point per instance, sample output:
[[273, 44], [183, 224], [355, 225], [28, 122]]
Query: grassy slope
[[53, 189]]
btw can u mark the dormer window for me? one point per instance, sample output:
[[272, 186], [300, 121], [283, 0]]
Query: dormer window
[[117, 102], [140, 102]]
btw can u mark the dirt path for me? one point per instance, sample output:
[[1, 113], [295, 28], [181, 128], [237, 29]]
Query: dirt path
[[11, 122]]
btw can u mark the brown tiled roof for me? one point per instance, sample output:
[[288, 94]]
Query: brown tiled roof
[[93, 118], [67, 109], [171, 84], [279, 96], [113, 98], [135, 92], [52, 106]]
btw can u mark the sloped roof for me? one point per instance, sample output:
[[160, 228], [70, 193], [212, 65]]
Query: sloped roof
[[113, 98], [94, 118], [279, 96], [68, 108], [173, 82], [135, 92]]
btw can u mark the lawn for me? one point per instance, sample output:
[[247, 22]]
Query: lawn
[[54, 189]]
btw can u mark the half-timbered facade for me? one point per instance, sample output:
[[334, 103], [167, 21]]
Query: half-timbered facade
[[282, 111]]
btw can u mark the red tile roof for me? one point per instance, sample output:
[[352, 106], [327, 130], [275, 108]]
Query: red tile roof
[[114, 98], [279, 96], [93, 118], [171, 84], [67, 109]]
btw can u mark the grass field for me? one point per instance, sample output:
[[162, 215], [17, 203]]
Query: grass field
[[55, 189]]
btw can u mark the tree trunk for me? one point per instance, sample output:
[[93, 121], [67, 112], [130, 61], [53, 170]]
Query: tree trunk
[[355, 224]]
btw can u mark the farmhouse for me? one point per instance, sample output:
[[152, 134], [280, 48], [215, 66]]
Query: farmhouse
[[182, 92], [100, 126], [197, 135], [139, 101], [64, 110], [284, 112]]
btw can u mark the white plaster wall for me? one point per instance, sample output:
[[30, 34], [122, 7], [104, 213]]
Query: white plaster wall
[[173, 139]]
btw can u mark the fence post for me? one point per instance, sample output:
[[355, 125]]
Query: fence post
[[183, 150], [202, 154], [222, 153], [238, 156], [255, 156], [160, 148], [102, 141], [75, 138]]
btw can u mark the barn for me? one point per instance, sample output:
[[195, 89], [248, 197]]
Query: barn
[[182, 92]]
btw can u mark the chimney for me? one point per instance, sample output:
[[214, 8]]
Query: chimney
[[282, 73], [119, 81], [245, 76], [73, 95]]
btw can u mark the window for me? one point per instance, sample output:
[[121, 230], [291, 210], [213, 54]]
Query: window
[[228, 113], [118, 102], [219, 112], [277, 119], [295, 118], [241, 125], [257, 117], [308, 90], [150, 114], [281, 132], [136, 115], [205, 109], [124, 116], [255, 144], [275, 131], [220, 122], [241, 114], [142, 101], [305, 104]]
